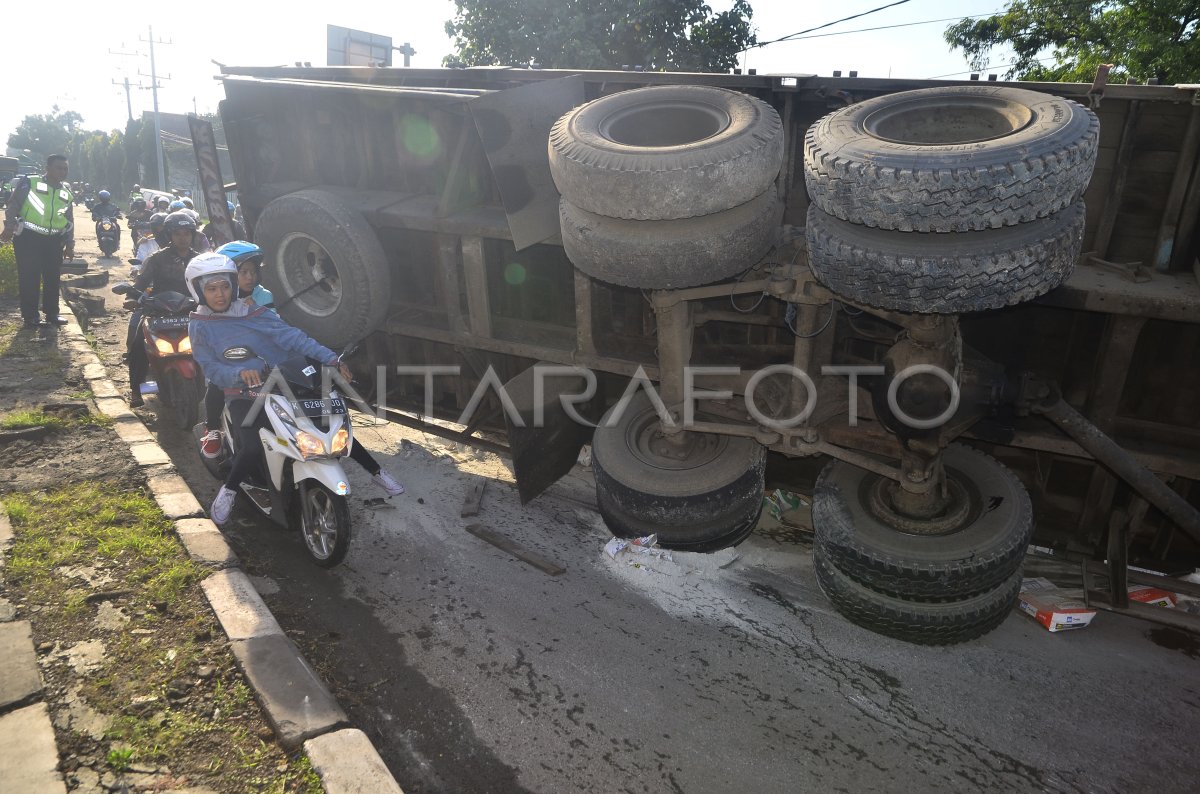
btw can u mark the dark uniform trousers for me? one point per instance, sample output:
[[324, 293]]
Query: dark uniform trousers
[[39, 264]]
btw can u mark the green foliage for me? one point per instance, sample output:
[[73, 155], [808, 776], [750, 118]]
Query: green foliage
[[8, 270], [46, 134], [674, 35], [1142, 38], [119, 760]]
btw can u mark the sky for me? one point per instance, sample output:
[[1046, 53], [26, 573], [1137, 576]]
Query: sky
[[99, 50]]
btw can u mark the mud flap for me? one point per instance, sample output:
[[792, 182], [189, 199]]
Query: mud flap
[[542, 454], [514, 126]]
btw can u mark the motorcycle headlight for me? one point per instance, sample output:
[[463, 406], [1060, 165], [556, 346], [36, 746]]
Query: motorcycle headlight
[[185, 345], [164, 346], [309, 445], [340, 439]]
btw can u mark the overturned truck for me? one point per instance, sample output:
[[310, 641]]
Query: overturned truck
[[967, 310]]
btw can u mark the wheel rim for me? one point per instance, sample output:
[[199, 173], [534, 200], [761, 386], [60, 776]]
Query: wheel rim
[[664, 124], [309, 275], [684, 451], [934, 121], [962, 507], [319, 519]]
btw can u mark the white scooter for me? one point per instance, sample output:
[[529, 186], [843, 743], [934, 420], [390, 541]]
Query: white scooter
[[302, 482]]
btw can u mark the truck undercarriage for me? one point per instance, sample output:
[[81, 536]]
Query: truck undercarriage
[[417, 210]]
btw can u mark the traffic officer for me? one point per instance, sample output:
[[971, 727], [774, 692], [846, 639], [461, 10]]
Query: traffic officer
[[41, 225]]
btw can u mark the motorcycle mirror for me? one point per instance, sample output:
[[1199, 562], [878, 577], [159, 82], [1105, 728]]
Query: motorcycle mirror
[[122, 288], [238, 354]]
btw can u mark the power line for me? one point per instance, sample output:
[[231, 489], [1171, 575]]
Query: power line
[[827, 24], [797, 37]]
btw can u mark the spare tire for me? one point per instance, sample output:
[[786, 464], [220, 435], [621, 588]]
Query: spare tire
[[666, 152], [325, 266], [670, 254], [944, 273], [951, 159]]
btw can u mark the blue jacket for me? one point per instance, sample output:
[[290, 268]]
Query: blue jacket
[[271, 339]]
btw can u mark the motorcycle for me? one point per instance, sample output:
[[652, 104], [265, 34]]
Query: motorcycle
[[164, 333], [108, 236], [302, 483]]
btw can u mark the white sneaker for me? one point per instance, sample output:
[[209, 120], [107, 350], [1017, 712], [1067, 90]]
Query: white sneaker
[[222, 506], [388, 483]]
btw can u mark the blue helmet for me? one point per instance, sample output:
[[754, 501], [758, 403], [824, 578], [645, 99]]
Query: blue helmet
[[176, 206], [104, 195], [241, 251]]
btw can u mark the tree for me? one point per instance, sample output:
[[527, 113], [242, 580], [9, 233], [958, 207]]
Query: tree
[[1142, 38], [676, 35], [47, 134], [133, 153]]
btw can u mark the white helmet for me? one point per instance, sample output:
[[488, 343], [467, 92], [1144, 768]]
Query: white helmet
[[208, 264]]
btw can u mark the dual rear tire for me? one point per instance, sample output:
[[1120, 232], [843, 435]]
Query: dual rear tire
[[932, 588]]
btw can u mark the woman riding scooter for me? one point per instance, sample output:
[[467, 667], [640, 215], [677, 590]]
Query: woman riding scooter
[[222, 321]]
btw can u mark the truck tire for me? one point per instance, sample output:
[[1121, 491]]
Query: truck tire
[[976, 553], [914, 621], [707, 498], [666, 152], [944, 273], [325, 266], [951, 159], [670, 254]]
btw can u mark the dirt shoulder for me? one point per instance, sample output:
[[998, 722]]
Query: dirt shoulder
[[139, 678]]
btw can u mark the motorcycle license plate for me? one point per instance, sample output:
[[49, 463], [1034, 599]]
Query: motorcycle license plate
[[167, 323], [313, 408]]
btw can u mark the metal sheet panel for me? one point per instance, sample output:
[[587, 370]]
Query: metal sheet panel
[[542, 454], [514, 126], [205, 146]]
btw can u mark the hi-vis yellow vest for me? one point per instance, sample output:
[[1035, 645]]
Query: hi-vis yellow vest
[[45, 209]]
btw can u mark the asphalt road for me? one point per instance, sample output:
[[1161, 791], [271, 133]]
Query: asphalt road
[[475, 672]]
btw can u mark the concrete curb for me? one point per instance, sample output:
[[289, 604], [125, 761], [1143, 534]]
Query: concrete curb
[[297, 703], [28, 751]]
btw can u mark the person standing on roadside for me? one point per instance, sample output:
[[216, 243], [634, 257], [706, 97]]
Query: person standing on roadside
[[41, 226]]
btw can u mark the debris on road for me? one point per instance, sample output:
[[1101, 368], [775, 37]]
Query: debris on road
[[473, 499], [1053, 607], [515, 549]]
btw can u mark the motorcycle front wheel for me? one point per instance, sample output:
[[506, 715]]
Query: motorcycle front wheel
[[324, 519]]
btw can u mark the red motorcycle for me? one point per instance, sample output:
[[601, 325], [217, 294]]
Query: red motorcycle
[[164, 331]]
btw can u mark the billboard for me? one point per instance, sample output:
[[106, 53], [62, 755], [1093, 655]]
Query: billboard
[[347, 47]]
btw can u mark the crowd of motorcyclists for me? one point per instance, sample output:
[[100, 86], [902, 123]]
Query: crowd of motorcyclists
[[171, 254], [169, 249]]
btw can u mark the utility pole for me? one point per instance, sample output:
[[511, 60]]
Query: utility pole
[[407, 51], [128, 101], [162, 170]]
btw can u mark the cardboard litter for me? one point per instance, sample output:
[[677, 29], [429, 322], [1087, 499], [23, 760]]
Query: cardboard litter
[[1155, 596], [1053, 607]]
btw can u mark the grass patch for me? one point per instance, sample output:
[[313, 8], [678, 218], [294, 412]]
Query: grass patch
[[211, 730], [71, 526], [33, 417], [8, 270]]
